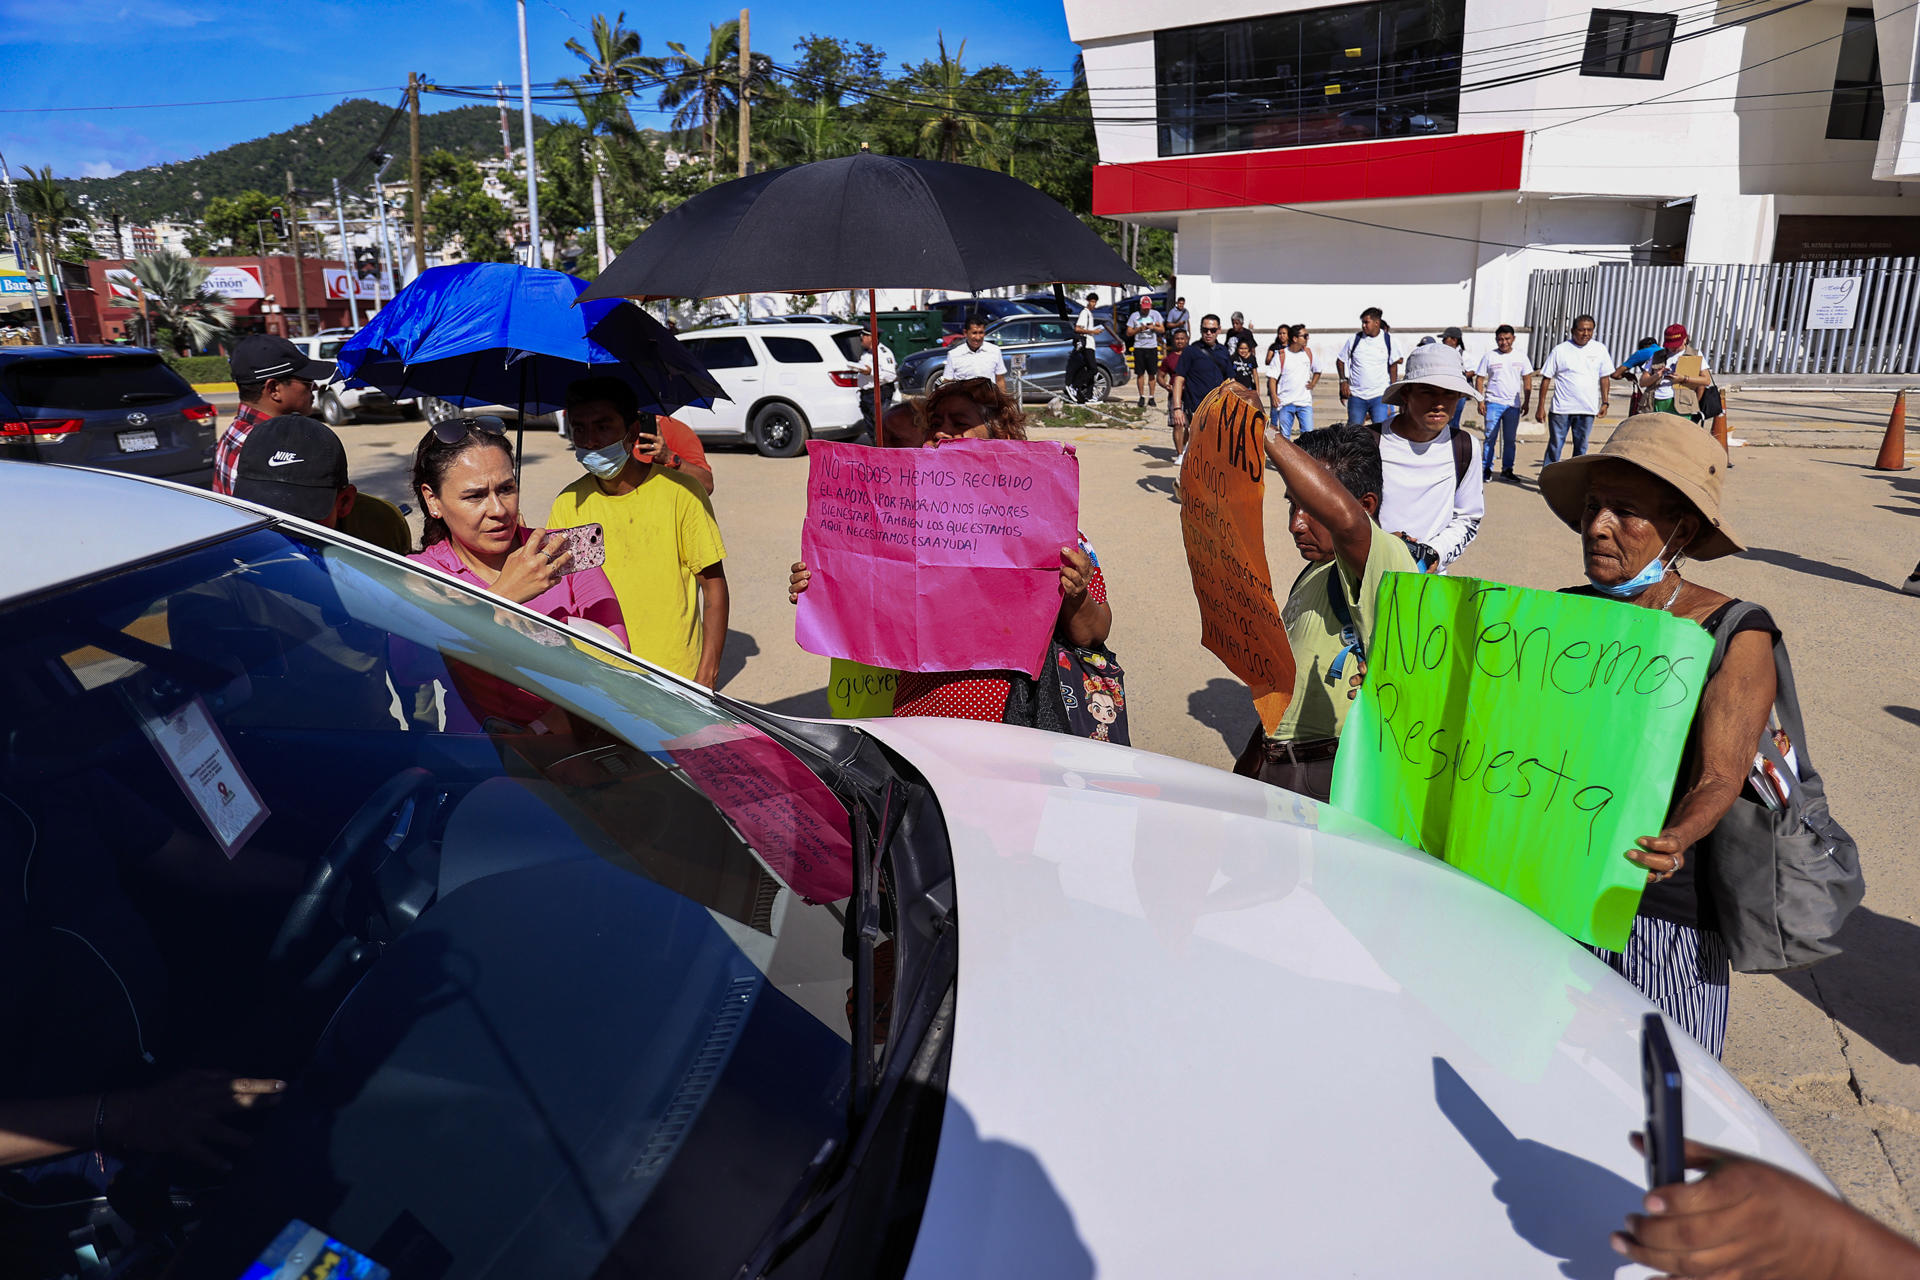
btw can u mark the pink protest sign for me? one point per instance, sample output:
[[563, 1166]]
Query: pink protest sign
[[937, 559], [780, 808]]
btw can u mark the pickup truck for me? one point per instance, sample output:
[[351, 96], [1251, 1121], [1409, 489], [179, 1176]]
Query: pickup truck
[[337, 404]]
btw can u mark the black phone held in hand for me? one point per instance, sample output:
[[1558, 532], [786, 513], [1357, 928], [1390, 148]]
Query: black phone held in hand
[[1665, 1135]]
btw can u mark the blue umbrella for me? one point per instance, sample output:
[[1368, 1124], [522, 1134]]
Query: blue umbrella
[[496, 333]]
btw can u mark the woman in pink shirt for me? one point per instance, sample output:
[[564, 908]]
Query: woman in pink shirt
[[463, 472]]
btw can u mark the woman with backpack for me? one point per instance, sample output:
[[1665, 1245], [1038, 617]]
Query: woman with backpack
[[1644, 503]]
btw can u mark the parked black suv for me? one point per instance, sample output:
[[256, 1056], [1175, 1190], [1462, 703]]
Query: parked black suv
[[121, 408]]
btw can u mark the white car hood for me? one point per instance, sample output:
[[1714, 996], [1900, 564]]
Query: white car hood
[[1198, 1031]]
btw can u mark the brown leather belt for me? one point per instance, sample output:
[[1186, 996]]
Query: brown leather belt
[[1306, 752]]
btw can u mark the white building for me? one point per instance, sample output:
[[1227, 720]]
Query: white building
[[1514, 136]]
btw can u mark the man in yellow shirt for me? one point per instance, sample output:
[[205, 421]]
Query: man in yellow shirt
[[664, 554]]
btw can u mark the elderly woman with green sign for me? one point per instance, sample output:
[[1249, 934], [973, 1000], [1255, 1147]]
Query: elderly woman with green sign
[[1644, 504]]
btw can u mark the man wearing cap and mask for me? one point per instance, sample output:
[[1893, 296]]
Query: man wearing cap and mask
[[1432, 495], [297, 465], [274, 377], [1669, 390]]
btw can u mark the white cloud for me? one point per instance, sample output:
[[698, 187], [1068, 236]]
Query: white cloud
[[98, 169]]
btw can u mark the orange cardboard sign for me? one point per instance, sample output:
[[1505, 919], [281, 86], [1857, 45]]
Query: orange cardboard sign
[[1222, 491]]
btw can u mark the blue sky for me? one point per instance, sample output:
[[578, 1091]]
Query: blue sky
[[95, 53]]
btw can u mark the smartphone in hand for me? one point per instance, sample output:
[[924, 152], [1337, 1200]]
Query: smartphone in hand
[[588, 542], [1665, 1135]]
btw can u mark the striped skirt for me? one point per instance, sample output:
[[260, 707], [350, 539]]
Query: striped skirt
[[1682, 970]]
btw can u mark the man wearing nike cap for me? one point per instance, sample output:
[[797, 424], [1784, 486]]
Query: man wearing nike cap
[[274, 377], [297, 465]]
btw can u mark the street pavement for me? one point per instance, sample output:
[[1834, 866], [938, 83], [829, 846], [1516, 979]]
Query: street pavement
[[1835, 1052]]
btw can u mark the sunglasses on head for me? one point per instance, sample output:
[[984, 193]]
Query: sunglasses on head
[[454, 430]]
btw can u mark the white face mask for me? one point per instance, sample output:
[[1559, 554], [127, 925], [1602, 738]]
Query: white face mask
[[606, 462]]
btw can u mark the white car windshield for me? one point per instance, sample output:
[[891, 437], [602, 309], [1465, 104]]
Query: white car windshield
[[543, 942]]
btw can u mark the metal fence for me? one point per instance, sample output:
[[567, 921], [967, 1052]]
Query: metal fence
[[1748, 319]]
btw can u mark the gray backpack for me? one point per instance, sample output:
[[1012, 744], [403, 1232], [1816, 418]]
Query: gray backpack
[[1783, 874]]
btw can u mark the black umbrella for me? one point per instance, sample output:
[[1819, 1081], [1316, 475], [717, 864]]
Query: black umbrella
[[861, 222]]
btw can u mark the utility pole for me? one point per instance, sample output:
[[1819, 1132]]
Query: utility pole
[[746, 76], [346, 256], [599, 208], [419, 196], [534, 257], [386, 241], [299, 264], [20, 250]]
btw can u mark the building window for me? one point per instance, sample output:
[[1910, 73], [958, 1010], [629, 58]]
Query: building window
[[1347, 74], [1857, 104], [1630, 46]]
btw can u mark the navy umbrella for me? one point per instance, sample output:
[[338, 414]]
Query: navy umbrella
[[861, 222], [496, 333]]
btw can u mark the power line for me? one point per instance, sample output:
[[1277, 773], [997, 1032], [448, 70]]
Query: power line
[[211, 102]]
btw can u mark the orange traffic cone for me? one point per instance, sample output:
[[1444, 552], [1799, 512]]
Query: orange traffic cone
[[1720, 434], [1893, 449]]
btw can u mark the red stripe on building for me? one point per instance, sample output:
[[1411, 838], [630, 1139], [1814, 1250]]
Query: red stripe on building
[[1394, 169]]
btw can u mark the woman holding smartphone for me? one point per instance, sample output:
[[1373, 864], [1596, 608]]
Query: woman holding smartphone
[[463, 472]]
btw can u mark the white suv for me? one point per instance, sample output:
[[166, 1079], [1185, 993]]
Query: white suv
[[788, 382], [337, 404]]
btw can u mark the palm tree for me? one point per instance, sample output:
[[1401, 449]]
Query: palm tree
[[697, 88], [943, 86], [801, 132], [178, 306], [609, 143], [48, 207], [615, 64]]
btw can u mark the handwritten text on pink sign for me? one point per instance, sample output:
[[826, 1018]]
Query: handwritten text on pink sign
[[937, 559]]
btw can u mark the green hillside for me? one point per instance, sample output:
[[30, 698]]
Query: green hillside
[[331, 145]]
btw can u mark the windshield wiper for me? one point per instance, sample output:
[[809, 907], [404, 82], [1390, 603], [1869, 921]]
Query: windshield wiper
[[835, 1165]]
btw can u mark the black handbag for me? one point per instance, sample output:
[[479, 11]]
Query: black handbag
[[1783, 874], [1081, 692]]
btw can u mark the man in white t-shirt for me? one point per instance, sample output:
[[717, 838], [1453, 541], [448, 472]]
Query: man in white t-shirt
[[1432, 495], [1292, 373], [1573, 390], [1081, 360], [1367, 363], [1505, 380], [975, 357], [1144, 328]]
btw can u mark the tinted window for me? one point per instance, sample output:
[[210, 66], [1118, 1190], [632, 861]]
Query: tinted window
[[721, 353], [330, 349], [1013, 331], [1632, 46], [793, 350], [1343, 74], [93, 382], [1857, 102], [849, 344], [576, 955], [1052, 330]]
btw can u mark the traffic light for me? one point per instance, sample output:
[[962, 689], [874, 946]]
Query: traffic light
[[279, 219]]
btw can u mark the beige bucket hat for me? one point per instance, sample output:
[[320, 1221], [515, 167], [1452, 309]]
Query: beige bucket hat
[[1431, 364], [1666, 447]]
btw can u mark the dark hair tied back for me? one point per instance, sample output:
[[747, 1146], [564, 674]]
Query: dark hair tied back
[[431, 462]]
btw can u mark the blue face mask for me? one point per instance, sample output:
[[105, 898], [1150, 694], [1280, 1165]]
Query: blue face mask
[[1656, 569], [605, 463]]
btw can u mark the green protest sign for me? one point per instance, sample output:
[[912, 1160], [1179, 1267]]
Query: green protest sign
[[1526, 737]]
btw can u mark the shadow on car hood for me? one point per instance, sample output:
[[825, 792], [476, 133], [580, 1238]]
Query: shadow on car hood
[[1207, 1027]]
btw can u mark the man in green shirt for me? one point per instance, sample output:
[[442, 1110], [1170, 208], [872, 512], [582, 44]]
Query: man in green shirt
[[1333, 485]]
